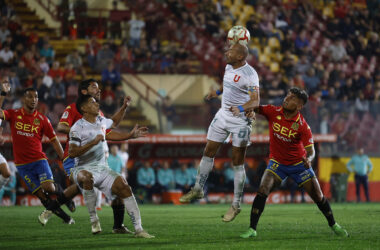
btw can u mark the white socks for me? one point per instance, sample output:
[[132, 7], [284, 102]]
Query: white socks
[[239, 180], [89, 197], [204, 169], [99, 197], [3, 181], [133, 212]]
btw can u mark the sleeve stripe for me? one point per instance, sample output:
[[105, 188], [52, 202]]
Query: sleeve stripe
[[75, 139], [309, 145], [65, 123], [55, 137]]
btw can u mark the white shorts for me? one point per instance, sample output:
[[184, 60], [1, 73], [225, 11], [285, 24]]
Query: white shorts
[[104, 177], [2, 159], [223, 125]]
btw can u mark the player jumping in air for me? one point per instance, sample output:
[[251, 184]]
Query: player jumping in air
[[291, 153], [87, 138], [27, 128], [240, 92]]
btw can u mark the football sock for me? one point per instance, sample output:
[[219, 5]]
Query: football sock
[[257, 209], [118, 215], [204, 169], [3, 181], [89, 197], [61, 198], [54, 206], [239, 180], [325, 208], [98, 197], [133, 212]]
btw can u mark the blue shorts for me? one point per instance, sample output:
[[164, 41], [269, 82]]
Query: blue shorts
[[297, 172], [68, 165], [35, 173]]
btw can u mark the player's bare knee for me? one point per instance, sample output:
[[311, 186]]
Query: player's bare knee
[[48, 187], [4, 170]]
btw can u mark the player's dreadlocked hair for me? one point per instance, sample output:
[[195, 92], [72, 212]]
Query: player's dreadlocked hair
[[82, 100], [301, 94], [83, 85]]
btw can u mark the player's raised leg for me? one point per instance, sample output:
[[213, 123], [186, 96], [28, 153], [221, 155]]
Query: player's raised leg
[[121, 188], [238, 155], [314, 190], [268, 182], [205, 167]]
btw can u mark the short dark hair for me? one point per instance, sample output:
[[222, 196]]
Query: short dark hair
[[83, 85], [82, 100], [301, 94], [29, 89]]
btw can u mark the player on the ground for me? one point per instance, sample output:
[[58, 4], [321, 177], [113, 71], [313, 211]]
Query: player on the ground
[[291, 153], [69, 117], [5, 172], [240, 92], [27, 128], [87, 138]]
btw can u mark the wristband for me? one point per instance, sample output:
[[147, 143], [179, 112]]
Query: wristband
[[241, 108], [3, 93], [218, 92]]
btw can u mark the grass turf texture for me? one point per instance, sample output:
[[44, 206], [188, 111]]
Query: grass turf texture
[[290, 226]]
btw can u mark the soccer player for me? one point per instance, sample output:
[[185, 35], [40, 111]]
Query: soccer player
[[240, 92], [5, 172], [86, 144], [291, 153], [27, 128], [69, 117]]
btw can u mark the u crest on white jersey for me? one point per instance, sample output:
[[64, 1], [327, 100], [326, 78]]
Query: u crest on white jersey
[[236, 78]]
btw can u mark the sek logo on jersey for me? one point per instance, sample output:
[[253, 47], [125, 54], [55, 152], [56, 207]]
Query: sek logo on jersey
[[26, 127], [284, 130]]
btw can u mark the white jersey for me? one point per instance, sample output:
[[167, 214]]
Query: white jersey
[[237, 83], [84, 132]]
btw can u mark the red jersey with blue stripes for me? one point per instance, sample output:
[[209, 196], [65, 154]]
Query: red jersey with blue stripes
[[27, 131], [288, 138]]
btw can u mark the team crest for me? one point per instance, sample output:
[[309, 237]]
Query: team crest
[[19, 117], [278, 117], [236, 78], [295, 126], [65, 115], [36, 122]]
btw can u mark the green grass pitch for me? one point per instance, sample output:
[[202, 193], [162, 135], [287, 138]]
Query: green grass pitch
[[286, 226]]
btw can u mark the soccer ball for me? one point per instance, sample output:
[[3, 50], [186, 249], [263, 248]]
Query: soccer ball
[[238, 34]]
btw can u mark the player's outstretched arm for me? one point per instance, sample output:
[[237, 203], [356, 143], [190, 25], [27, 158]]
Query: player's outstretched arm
[[135, 133], [75, 150], [214, 93], [57, 147], [119, 115]]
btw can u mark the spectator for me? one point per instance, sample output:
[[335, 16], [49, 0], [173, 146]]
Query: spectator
[[75, 59], [111, 76], [69, 74], [92, 48], [192, 170], [136, 27], [6, 56], [104, 56], [56, 70], [44, 66], [42, 90], [4, 32], [182, 179], [22, 72], [57, 92], [48, 52], [302, 65], [362, 166], [311, 80], [14, 82], [302, 43], [146, 179], [115, 162], [165, 177], [337, 51]]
